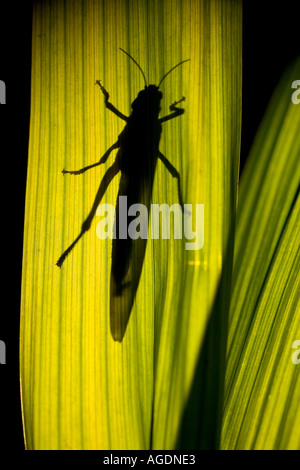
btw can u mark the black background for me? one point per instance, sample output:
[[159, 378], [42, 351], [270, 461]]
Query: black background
[[271, 41]]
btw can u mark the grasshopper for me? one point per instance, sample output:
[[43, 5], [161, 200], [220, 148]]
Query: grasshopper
[[136, 159]]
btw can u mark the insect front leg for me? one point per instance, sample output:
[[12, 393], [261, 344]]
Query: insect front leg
[[176, 111], [108, 105], [102, 160]]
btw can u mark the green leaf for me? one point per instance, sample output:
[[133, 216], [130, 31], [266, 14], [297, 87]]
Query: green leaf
[[80, 388], [262, 383]]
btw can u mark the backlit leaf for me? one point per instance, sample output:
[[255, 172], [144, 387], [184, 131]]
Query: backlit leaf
[[80, 388]]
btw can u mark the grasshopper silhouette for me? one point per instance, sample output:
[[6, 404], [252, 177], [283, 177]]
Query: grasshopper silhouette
[[136, 159]]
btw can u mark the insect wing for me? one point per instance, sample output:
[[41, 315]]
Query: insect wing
[[127, 263]]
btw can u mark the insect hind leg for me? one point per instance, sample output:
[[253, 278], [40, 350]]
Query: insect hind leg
[[107, 178]]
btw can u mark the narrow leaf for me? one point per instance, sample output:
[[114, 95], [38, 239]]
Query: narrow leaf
[[262, 382], [81, 389]]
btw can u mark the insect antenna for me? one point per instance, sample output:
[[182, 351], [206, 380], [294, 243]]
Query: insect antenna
[[135, 64], [182, 62]]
